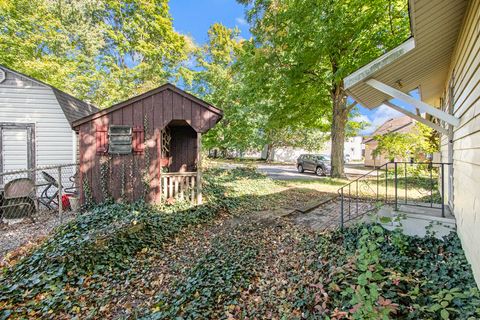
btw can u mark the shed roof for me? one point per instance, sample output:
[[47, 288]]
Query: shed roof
[[72, 107], [420, 62], [167, 86]]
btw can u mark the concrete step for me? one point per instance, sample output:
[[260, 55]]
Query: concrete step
[[414, 221]]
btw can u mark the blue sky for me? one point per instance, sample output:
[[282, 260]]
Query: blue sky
[[194, 17]]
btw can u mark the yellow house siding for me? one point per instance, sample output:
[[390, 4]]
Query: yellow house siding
[[465, 74]]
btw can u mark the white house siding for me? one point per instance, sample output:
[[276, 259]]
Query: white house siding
[[465, 79], [25, 101], [353, 147]]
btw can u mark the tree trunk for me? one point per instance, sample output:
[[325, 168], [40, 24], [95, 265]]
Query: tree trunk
[[269, 154], [339, 123]]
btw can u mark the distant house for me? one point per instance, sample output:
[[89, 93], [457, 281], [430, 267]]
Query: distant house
[[352, 151], [403, 124], [36, 122]]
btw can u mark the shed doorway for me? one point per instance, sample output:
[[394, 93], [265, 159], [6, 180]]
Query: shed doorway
[[179, 146]]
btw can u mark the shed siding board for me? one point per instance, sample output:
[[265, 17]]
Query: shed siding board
[[96, 163], [168, 106], [465, 67], [138, 159], [25, 101], [128, 159], [177, 105]]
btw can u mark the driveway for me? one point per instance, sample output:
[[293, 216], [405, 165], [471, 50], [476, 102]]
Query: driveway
[[289, 172], [286, 172]]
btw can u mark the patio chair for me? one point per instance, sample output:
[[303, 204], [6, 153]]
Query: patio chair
[[49, 195], [73, 189], [18, 199]]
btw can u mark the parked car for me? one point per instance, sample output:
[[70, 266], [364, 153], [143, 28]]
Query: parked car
[[318, 163]]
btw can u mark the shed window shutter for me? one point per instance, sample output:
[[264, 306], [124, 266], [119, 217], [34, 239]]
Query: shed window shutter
[[138, 139], [101, 139]]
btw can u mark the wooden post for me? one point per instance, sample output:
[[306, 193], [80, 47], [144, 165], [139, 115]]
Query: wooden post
[[60, 194], [158, 196], [199, 168]]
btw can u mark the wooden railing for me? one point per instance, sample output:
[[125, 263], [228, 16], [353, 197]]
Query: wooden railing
[[183, 186]]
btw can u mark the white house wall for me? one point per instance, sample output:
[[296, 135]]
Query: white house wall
[[352, 147], [465, 76], [25, 101]]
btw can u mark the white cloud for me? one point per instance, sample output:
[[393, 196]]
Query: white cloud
[[241, 21], [379, 116]]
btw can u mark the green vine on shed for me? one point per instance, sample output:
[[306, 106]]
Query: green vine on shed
[[146, 174], [105, 177]]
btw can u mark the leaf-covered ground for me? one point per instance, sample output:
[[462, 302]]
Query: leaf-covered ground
[[239, 256]]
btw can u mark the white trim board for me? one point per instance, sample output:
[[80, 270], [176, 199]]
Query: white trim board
[[422, 106]]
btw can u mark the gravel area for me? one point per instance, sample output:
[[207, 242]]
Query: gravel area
[[19, 232]]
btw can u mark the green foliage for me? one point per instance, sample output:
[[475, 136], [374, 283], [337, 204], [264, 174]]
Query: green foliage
[[90, 250], [101, 51], [394, 275], [406, 145], [220, 83], [365, 297], [94, 244], [302, 50], [239, 268], [217, 279]]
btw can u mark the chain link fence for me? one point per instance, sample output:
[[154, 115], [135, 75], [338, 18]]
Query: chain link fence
[[34, 201]]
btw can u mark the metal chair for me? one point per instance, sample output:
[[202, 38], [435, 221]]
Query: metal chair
[[18, 199], [73, 189], [49, 195]]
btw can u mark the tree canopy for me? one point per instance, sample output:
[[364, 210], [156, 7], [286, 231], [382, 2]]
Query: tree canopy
[[101, 51], [414, 144], [302, 50], [282, 87]]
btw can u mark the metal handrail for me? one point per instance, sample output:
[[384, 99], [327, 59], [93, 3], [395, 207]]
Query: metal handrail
[[347, 188]]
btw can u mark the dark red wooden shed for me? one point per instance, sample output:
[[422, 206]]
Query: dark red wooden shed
[[147, 147]]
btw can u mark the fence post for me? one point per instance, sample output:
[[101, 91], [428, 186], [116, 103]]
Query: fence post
[[443, 191], [199, 168], [396, 188], [386, 182], [357, 199], [406, 180], [431, 185], [60, 193], [341, 211]]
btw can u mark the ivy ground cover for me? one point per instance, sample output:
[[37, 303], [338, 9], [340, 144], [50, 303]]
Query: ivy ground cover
[[237, 257]]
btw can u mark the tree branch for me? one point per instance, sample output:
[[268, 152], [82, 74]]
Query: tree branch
[[351, 106]]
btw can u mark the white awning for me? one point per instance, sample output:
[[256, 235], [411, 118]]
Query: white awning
[[421, 62]]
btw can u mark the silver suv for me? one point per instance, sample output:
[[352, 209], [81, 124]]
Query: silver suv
[[318, 163]]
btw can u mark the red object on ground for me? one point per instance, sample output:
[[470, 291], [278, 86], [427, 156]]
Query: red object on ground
[[66, 201]]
